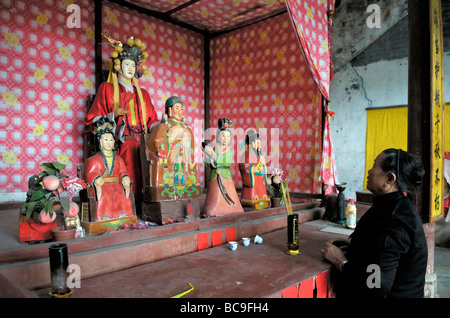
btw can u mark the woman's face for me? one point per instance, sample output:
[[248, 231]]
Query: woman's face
[[128, 69], [107, 142], [256, 144], [377, 178], [224, 137]]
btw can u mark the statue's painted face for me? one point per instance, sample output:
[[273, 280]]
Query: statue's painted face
[[107, 142], [177, 111], [224, 137], [256, 144], [128, 69]]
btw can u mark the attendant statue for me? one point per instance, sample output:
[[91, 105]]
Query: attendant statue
[[106, 172], [126, 104], [172, 171], [221, 197], [252, 167]]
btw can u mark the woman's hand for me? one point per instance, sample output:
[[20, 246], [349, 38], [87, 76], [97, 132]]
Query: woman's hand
[[333, 254], [126, 181], [120, 112]]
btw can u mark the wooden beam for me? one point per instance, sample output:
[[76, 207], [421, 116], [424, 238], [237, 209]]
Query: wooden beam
[[158, 15], [419, 90], [207, 77], [249, 22], [98, 42], [181, 7]]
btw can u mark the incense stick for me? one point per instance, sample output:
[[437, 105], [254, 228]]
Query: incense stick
[[287, 197]]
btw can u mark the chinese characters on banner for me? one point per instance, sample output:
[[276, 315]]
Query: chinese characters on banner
[[437, 113]]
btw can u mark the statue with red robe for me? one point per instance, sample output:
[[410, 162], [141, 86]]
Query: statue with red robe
[[124, 102], [107, 173], [252, 167]]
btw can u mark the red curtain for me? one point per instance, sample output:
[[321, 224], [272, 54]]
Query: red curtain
[[312, 21]]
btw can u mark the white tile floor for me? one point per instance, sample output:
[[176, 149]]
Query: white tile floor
[[442, 269]]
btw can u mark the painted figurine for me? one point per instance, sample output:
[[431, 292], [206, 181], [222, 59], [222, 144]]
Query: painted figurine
[[171, 145], [106, 172], [252, 167], [124, 102], [221, 197]]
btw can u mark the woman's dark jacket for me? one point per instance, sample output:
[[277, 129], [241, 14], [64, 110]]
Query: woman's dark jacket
[[390, 234]]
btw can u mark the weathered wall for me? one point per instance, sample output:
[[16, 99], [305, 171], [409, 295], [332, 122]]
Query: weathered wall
[[353, 90], [351, 36], [377, 77]]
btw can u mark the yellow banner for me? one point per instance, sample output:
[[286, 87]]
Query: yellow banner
[[437, 113], [386, 128]]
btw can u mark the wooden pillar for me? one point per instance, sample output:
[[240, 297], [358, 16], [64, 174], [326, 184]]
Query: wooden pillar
[[419, 90], [98, 42], [207, 58], [419, 118], [207, 108]]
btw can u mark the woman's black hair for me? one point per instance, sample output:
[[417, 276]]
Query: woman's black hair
[[103, 126], [407, 168]]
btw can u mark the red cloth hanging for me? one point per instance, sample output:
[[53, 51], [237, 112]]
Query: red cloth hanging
[[328, 167], [312, 24]]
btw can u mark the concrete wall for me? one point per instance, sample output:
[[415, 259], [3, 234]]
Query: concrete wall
[[353, 89], [371, 70]]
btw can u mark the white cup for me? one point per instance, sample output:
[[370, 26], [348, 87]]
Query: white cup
[[246, 241], [258, 239], [233, 245]]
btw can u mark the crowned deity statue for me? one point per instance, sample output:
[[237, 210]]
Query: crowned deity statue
[[252, 167], [126, 104], [221, 197], [106, 172]]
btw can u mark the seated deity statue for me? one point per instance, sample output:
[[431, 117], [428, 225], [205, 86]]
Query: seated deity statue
[[106, 172], [123, 101]]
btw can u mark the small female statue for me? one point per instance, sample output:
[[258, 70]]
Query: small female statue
[[107, 173], [221, 198]]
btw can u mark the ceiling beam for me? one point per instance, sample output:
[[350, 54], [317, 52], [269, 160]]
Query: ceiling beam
[[158, 15], [187, 4], [249, 22]]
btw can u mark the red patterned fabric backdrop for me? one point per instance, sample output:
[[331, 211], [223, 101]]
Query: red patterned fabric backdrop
[[259, 79], [48, 69]]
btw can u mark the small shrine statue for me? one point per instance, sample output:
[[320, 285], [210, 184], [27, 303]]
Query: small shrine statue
[[172, 171], [171, 145], [107, 173], [124, 102], [252, 167], [221, 197]]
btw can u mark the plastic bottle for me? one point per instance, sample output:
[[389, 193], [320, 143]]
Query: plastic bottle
[[350, 214]]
